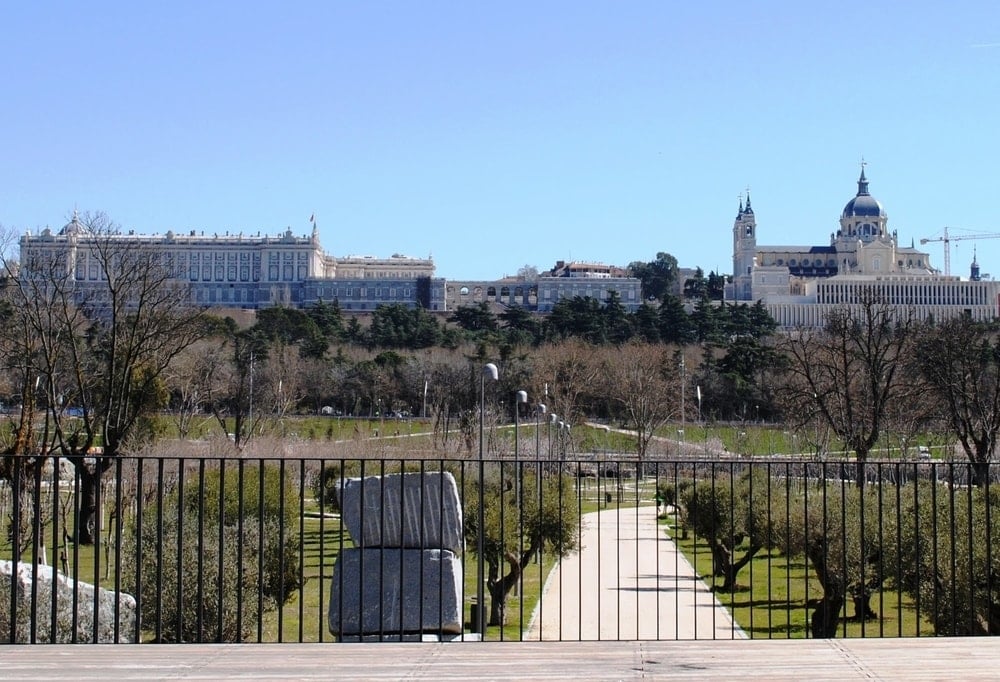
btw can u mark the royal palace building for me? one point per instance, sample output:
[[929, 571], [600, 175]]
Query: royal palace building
[[252, 272]]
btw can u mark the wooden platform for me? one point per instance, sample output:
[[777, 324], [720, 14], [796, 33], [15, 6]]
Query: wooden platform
[[856, 659]]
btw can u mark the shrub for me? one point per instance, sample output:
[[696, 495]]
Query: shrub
[[214, 559], [195, 585]]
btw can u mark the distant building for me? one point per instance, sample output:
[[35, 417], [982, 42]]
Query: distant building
[[801, 285], [253, 271], [593, 280], [564, 280]]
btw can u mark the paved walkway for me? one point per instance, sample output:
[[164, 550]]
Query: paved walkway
[[627, 582]]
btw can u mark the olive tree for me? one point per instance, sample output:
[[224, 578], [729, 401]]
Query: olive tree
[[731, 511], [523, 515]]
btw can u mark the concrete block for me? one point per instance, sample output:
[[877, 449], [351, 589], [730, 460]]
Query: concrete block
[[396, 591], [413, 510]]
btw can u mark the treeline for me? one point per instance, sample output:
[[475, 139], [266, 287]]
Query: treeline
[[399, 327]]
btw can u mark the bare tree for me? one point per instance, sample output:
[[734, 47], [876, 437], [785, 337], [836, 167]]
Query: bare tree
[[850, 374], [232, 383], [185, 383], [643, 380], [960, 361], [105, 319], [565, 372]]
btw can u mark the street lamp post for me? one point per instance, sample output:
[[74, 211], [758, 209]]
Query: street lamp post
[[520, 397], [683, 382], [553, 419], [489, 370], [540, 409]]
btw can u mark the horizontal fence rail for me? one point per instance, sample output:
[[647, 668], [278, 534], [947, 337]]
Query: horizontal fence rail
[[314, 550]]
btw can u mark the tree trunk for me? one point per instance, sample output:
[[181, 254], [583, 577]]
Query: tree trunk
[[87, 516], [862, 606], [722, 558], [499, 588], [826, 617], [498, 600], [827, 614], [980, 474], [859, 469]]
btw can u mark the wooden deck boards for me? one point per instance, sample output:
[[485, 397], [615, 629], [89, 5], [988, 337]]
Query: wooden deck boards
[[860, 659]]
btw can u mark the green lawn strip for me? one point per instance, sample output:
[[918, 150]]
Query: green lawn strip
[[774, 594]]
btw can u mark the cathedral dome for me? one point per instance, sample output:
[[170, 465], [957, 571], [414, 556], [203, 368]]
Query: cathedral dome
[[863, 204]]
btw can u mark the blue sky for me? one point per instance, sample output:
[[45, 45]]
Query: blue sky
[[497, 136]]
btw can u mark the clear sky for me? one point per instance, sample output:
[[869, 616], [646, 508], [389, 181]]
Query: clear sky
[[497, 135]]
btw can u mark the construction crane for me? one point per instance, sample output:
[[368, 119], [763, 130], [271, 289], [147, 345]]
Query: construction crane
[[948, 239]]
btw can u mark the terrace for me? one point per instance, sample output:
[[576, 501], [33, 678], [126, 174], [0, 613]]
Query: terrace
[[242, 551]]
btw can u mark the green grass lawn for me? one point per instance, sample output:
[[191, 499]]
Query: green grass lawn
[[773, 596]]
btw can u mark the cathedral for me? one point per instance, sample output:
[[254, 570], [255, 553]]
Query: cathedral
[[801, 285]]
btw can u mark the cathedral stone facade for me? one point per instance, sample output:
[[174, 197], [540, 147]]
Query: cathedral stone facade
[[801, 285]]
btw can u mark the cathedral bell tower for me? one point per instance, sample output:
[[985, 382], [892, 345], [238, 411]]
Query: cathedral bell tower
[[744, 251]]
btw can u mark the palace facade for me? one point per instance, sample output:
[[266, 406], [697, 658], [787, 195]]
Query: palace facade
[[253, 272]]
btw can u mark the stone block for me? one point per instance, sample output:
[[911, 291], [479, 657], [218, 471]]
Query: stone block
[[413, 510], [396, 591], [85, 629]]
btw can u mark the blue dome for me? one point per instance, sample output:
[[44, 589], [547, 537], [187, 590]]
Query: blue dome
[[863, 204]]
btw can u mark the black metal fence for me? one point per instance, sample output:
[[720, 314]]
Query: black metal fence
[[213, 550]]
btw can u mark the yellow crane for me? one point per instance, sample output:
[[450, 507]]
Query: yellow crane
[[948, 239]]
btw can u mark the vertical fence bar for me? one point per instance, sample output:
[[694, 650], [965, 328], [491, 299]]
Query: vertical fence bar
[[140, 497], [180, 551], [971, 553], [118, 530], [159, 554], [301, 579], [200, 561], [220, 568], [96, 539], [988, 522], [261, 467], [281, 545], [240, 508]]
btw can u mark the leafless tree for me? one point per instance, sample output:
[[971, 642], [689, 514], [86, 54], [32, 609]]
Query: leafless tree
[[850, 374], [565, 372], [643, 380], [101, 320], [960, 361]]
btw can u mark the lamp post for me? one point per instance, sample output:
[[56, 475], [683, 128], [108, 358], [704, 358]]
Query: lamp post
[[520, 398], [489, 370], [683, 381], [553, 418], [540, 409]]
